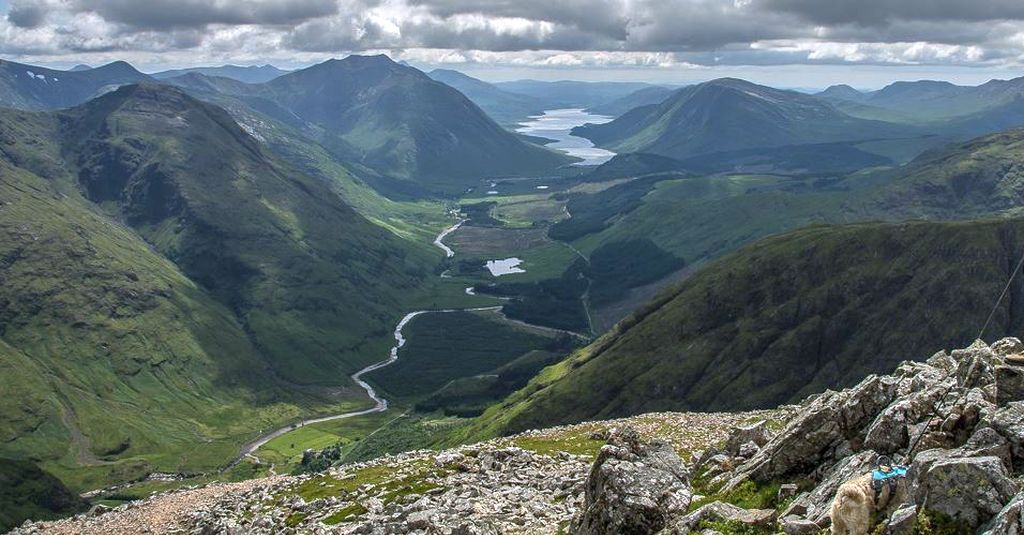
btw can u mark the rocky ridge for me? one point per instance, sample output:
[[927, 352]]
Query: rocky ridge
[[528, 483], [961, 413]]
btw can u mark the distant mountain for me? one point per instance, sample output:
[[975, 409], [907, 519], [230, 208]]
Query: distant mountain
[[929, 101], [640, 97], [400, 122], [728, 115], [251, 74], [841, 92], [29, 87], [80, 67], [166, 283], [784, 318], [504, 107], [572, 94]]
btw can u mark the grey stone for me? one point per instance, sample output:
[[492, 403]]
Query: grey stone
[[1009, 384], [633, 487], [794, 525], [968, 489], [821, 426], [901, 521], [1010, 520], [1008, 421], [720, 511], [756, 432]]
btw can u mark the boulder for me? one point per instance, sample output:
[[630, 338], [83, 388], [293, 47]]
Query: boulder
[[1007, 346], [633, 487], [794, 525], [970, 490], [756, 432], [821, 426], [723, 512], [1008, 421], [1010, 520], [901, 521], [890, 431], [1009, 384], [974, 365]]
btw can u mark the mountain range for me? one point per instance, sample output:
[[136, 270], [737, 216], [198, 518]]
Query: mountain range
[[250, 74], [30, 87]]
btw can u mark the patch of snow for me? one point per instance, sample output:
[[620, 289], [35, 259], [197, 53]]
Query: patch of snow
[[542, 187], [492, 192]]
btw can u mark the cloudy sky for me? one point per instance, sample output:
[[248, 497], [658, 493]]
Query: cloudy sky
[[790, 43]]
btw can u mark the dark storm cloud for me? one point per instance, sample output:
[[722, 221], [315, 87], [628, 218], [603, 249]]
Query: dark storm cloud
[[166, 14], [27, 14], [873, 12]]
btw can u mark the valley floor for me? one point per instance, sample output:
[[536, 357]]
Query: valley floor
[[526, 483]]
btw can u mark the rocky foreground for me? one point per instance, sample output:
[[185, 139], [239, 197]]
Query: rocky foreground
[[762, 472]]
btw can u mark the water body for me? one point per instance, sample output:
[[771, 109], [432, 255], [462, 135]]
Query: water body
[[506, 266], [556, 124]]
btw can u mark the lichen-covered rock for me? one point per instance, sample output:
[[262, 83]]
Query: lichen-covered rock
[[633, 488], [1010, 520], [970, 490], [1008, 421], [818, 429], [722, 512], [1009, 384], [794, 525]]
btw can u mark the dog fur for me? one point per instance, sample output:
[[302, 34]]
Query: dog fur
[[855, 505]]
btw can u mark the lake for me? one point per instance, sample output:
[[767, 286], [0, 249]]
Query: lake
[[556, 124], [507, 266]]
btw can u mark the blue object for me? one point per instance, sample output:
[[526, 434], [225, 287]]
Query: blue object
[[895, 471]]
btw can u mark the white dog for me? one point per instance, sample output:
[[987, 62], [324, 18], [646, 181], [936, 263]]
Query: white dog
[[858, 499]]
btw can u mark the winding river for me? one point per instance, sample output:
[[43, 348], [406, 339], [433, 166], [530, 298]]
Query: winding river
[[380, 404]]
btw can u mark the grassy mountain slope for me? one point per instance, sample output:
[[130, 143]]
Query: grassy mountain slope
[[506, 108], [728, 115], [115, 363], [785, 317], [30, 87], [398, 121], [697, 218], [28, 492], [315, 283]]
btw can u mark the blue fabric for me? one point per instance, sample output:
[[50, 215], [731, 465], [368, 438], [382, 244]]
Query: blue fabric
[[895, 471]]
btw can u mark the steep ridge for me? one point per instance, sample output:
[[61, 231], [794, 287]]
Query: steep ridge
[[730, 114], [162, 273], [114, 362], [783, 318], [246, 226], [30, 87]]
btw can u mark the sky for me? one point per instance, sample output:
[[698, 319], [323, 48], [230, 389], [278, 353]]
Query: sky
[[785, 43]]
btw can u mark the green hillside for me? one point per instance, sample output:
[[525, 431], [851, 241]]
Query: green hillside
[[162, 272], [26, 492], [398, 121], [785, 317], [728, 115]]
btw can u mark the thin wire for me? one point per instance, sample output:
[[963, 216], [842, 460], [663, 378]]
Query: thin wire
[[1001, 296], [970, 371]]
